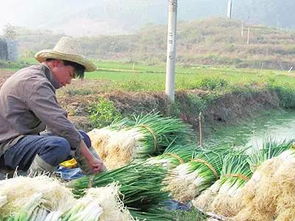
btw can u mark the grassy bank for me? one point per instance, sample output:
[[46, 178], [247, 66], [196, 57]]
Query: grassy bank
[[225, 95]]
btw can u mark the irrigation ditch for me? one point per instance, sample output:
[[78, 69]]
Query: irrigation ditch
[[227, 112]]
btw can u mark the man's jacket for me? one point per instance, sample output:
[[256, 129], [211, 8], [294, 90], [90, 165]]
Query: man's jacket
[[28, 105]]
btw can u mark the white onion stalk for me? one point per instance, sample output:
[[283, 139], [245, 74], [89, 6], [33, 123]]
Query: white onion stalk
[[116, 148], [269, 150], [54, 216], [204, 200], [173, 156], [187, 180], [165, 161], [288, 155], [3, 200], [27, 211], [102, 204], [39, 214], [82, 209], [235, 174]]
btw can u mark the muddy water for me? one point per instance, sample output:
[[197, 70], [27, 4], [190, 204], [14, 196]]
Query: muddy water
[[275, 126]]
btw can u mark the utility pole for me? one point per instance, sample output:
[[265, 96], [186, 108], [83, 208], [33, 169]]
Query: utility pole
[[248, 36], [171, 50], [229, 8], [242, 29]]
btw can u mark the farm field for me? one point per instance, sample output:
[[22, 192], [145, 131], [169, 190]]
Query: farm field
[[140, 77], [120, 76], [152, 78]]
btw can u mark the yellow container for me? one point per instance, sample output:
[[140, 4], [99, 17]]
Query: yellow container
[[72, 163]]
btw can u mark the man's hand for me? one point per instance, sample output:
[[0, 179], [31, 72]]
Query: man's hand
[[96, 165], [89, 162]]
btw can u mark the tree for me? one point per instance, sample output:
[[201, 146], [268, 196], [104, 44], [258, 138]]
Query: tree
[[10, 32]]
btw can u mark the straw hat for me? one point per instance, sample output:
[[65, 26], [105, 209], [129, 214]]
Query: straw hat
[[67, 48]]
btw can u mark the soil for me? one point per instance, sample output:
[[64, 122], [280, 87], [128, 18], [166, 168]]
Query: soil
[[227, 109]]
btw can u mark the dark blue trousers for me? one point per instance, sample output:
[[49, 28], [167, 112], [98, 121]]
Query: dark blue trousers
[[52, 149]]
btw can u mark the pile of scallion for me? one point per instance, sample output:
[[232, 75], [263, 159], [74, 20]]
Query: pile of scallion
[[269, 150], [269, 194], [138, 138], [99, 204], [188, 180], [46, 199], [173, 156], [29, 198], [159, 132], [140, 185], [235, 174]]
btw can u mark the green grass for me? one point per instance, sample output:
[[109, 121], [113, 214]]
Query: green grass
[[129, 66], [152, 78], [128, 76]]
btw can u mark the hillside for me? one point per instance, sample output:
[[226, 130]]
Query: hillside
[[214, 41], [108, 17]]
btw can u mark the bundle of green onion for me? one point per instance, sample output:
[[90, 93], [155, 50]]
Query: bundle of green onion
[[138, 138], [289, 154], [28, 198], [46, 199], [140, 185], [269, 194], [269, 150], [159, 132], [173, 156], [101, 203], [188, 180], [234, 175], [235, 172], [31, 210], [83, 209]]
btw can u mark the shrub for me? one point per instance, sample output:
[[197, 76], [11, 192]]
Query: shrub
[[73, 92], [103, 113], [286, 96], [213, 83], [131, 85]]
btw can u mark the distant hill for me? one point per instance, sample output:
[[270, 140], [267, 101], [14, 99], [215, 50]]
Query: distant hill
[[214, 41], [92, 17]]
